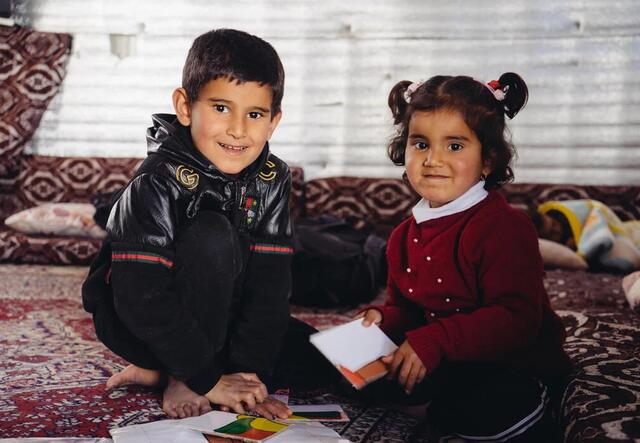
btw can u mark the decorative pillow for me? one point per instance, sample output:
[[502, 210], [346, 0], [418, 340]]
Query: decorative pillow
[[32, 66], [59, 219], [555, 255], [631, 286]]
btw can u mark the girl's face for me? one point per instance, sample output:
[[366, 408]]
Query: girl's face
[[443, 156]]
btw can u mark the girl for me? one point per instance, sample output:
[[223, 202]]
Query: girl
[[465, 298]]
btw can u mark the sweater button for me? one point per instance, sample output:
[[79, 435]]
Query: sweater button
[[410, 290], [408, 269], [448, 300], [427, 258], [433, 314], [457, 309], [439, 280], [415, 240]]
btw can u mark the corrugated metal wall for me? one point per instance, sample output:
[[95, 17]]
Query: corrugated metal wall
[[580, 59]]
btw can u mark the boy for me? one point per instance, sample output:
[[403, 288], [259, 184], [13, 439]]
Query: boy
[[191, 285], [554, 226]]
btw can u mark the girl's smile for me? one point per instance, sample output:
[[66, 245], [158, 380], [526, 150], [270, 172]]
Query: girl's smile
[[432, 176]]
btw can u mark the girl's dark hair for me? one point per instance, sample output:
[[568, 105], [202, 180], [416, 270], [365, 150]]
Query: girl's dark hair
[[480, 109], [235, 54]]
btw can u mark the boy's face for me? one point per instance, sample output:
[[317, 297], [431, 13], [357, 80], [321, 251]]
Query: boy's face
[[552, 229], [230, 122]]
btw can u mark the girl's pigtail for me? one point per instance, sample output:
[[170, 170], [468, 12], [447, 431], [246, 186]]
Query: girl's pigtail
[[516, 93], [397, 101]]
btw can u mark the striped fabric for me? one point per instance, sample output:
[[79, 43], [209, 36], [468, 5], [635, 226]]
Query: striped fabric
[[264, 248], [519, 427], [141, 257]]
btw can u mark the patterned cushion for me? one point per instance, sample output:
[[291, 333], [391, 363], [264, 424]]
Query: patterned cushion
[[22, 248], [381, 202], [386, 202], [45, 179], [556, 255], [32, 68], [57, 219]]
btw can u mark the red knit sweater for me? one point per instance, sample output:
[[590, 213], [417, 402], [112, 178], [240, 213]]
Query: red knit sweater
[[468, 287]]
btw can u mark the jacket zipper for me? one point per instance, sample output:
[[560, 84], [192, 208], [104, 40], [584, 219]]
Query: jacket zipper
[[240, 191]]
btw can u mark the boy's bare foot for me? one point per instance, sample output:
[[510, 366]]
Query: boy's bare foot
[[133, 375], [178, 401]]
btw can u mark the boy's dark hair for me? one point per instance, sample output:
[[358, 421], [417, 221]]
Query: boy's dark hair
[[480, 109], [536, 218], [235, 54]]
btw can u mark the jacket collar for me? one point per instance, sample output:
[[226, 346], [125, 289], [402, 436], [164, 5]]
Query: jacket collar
[[169, 137]]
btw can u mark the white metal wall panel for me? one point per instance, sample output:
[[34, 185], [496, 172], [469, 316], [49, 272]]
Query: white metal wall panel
[[581, 60]]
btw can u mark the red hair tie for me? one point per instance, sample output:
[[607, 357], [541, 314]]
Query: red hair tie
[[496, 90]]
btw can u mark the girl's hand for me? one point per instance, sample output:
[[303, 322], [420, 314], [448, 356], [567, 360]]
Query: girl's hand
[[240, 392], [406, 366], [370, 316]]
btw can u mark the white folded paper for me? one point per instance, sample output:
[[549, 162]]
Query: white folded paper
[[353, 345]]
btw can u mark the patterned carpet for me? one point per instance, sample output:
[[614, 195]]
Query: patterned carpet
[[52, 369]]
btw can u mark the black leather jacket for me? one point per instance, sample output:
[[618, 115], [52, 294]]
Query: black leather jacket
[[176, 181], [171, 186]]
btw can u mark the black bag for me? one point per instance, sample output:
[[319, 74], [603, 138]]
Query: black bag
[[103, 203], [335, 264]]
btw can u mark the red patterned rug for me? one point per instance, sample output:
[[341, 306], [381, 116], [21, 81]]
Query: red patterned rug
[[53, 369]]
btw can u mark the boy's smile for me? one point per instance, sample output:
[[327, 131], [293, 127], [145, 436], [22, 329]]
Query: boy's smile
[[443, 156], [230, 122]]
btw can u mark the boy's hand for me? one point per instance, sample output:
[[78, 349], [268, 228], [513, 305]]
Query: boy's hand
[[272, 408], [240, 391], [406, 366], [370, 316]]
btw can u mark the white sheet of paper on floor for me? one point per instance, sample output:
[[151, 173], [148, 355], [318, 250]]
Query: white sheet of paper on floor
[[308, 432], [189, 430], [163, 431], [56, 440]]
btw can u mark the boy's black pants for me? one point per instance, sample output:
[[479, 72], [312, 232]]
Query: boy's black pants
[[210, 258]]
